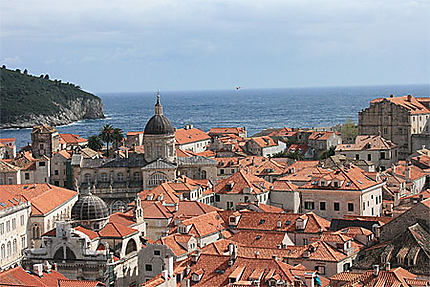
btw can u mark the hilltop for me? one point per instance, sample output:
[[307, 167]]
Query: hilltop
[[27, 100]]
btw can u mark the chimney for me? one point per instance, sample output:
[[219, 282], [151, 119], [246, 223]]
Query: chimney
[[387, 266], [256, 253], [310, 279], [409, 98], [38, 269], [376, 269], [279, 223]]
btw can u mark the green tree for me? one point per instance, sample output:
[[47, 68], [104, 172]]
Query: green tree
[[349, 131], [327, 153], [117, 136], [95, 143], [106, 135]]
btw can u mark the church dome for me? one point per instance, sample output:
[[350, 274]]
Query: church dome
[[159, 124], [89, 207]]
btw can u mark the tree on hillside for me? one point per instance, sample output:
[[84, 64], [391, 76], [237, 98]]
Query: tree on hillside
[[327, 153], [106, 135], [95, 143], [25, 72]]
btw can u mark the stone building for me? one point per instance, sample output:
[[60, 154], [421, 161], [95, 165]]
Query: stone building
[[14, 215], [118, 180], [45, 140], [108, 245], [373, 148], [398, 119]]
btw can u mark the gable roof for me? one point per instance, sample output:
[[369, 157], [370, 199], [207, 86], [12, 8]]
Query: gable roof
[[243, 182], [408, 102], [19, 277], [185, 136], [43, 196]]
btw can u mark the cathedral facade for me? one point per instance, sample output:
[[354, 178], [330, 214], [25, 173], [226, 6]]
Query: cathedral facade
[[118, 180]]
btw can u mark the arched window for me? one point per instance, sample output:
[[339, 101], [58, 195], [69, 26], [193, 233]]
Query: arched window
[[15, 246], [3, 251], [156, 179], [120, 176], [9, 249], [131, 246], [87, 178], [36, 231], [203, 174], [119, 205], [103, 177]]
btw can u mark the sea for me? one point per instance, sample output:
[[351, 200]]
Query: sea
[[255, 109]]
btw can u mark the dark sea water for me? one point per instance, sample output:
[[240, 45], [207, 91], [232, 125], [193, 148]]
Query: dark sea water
[[256, 109]]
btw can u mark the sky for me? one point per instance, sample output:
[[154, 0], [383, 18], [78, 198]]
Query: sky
[[148, 45]]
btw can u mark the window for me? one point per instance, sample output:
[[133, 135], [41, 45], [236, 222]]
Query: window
[[229, 205], [157, 252], [42, 163], [23, 242], [309, 205], [148, 267], [7, 226], [26, 176], [36, 231], [320, 270], [21, 220], [369, 157], [56, 172], [221, 171], [336, 206], [14, 246], [385, 130], [382, 155], [217, 198], [87, 178], [350, 206], [57, 183], [357, 156], [120, 176], [9, 249], [1, 228], [3, 251], [103, 177], [136, 176], [13, 223], [156, 179], [322, 205]]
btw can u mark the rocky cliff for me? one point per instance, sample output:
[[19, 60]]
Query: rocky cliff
[[28, 100]]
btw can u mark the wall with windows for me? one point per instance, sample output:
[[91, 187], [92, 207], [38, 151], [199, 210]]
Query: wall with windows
[[335, 203], [13, 234], [230, 200]]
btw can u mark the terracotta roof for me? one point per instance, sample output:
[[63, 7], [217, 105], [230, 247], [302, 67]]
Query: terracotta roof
[[218, 131], [299, 148], [122, 218], [164, 192], [347, 178], [19, 277], [155, 210], [264, 141], [261, 166], [369, 142], [71, 139], [284, 185], [204, 225], [43, 129], [8, 199], [7, 140], [259, 239], [91, 234], [64, 153], [43, 197], [184, 136], [217, 271], [306, 174], [395, 277], [320, 136], [269, 221], [411, 104], [401, 168], [7, 167], [116, 230], [242, 182], [187, 209], [269, 208], [178, 243], [79, 283]]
